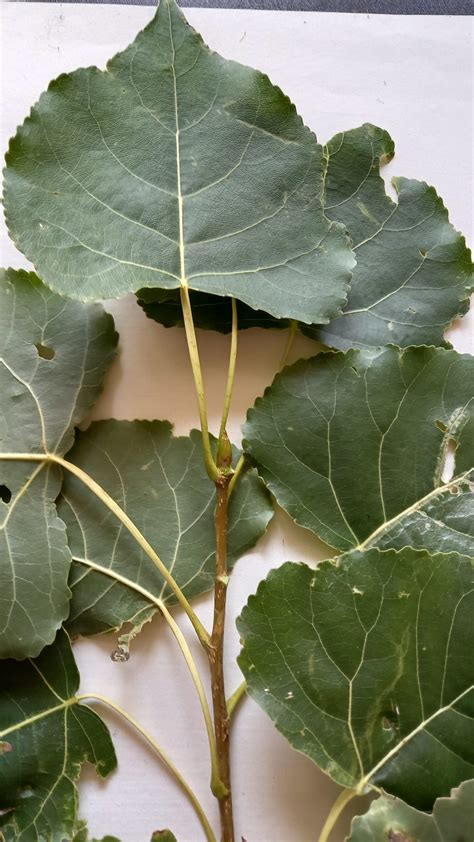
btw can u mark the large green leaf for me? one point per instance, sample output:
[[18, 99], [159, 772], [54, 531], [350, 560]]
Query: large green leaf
[[161, 482], [46, 737], [413, 272], [353, 446], [53, 357], [175, 167], [366, 666], [391, 820]]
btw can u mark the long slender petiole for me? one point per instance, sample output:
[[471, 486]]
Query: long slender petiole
[[231, 374], [292, 333], [238, 470], [289, 343], [339, 805], [162, 755], [181, 641], [209, 460], [216, 782], [108, 501], [234, 700]]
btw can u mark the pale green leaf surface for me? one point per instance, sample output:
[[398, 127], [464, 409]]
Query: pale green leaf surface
[[353, 446], [53, 358], [443, 523], [413, 272], [365, 665], [354, 191], [161, 482], [175, 167], [391, 820], [48, 737]]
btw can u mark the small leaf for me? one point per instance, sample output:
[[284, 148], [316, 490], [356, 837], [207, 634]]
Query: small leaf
[[163, 836], [51, 735], [414, 271], [53, 358], [391, 820], [352, 447], [161, 482], [82, 835], [228, 203], [365, 665]]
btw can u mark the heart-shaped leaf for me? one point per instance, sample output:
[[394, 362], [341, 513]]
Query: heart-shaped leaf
[[413, 272], [391, 820], [365, 665], [54, 354], [46, 737], [161, 483], [176, 168], [353, 446]]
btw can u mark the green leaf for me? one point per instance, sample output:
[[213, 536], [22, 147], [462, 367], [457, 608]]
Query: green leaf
[[163, 836], [161, 482], [48, 735], [391, 820], [353, 446], [175, 167], [82, 835], [365, 665], [53, 357], [354, 191], [210, 312], [413, 272]]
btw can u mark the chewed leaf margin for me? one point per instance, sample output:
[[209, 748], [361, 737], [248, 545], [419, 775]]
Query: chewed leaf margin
[[48, 734]]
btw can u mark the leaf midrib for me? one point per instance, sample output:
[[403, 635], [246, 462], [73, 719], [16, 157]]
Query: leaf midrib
[[66, 703], [386, 525], [182, 264], [366, 780]]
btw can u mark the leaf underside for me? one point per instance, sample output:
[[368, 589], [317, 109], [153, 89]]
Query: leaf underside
[[365, 665], [53, 357], [353, 446], [175, 167], [390, 820], [210, 312], [161, 482], [46, 737], [413, 273]]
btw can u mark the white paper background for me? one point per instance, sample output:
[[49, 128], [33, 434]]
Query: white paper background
[[411, 75]]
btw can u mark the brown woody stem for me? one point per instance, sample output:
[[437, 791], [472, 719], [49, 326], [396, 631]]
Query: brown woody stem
[[216, 660]]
